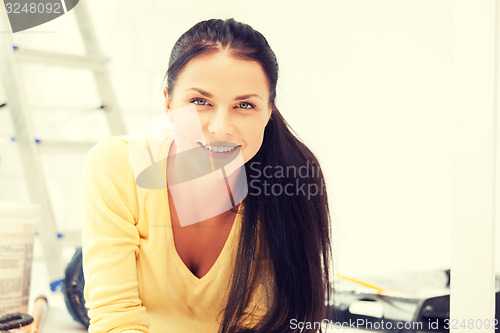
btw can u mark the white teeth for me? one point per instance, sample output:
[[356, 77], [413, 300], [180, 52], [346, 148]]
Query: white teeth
[[218, 149]]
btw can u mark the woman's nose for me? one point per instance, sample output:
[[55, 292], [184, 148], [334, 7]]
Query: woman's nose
[[219, 125]]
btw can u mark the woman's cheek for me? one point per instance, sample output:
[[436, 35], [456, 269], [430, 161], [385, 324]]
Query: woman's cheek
[[253, 146]]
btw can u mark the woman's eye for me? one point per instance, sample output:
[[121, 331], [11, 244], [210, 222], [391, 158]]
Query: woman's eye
[[202, 101], [246, 105]]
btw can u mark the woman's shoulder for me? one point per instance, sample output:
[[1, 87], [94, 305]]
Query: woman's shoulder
[[109, 151], [110, 144], [107, 175]]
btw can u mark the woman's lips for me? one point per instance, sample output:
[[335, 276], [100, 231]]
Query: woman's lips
[[221, 155], [220, 148]]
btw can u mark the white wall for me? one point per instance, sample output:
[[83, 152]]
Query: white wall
[[367, 84]]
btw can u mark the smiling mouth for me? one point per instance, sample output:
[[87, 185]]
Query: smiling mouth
[[220, 147]]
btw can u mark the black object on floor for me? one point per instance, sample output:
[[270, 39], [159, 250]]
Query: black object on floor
[[14, 320], [73, 285]]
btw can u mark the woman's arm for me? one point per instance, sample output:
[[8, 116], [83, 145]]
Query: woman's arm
[[110, 240]]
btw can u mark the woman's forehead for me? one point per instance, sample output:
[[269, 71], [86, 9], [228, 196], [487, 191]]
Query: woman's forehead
[[221, 71]]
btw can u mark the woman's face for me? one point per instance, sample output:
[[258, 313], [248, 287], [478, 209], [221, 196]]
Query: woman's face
[[231, 97]]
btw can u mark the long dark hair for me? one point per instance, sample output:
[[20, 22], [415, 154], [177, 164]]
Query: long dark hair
[[286, 221]]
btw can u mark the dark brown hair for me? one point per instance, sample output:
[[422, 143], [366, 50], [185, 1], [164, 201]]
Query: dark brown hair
[[293, 231]]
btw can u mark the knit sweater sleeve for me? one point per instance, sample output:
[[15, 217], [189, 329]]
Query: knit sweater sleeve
[[110, 240]]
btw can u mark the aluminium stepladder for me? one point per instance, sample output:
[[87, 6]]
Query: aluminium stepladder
[[21, 119]]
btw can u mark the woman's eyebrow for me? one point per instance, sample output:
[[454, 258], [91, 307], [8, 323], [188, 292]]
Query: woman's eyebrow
[[209, 95]]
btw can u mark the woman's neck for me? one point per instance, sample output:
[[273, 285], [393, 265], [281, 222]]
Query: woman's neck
[[200, 194]]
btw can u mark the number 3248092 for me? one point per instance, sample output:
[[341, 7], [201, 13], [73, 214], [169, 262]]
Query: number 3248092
[[470, 324], [34, 8]]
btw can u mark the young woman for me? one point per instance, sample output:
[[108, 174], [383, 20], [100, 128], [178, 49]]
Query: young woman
[[166, 251]]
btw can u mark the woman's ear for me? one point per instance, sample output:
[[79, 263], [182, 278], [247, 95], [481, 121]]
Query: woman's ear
[[168, 99], [168, 102], [270, 112]]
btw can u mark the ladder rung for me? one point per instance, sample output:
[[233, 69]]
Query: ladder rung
[[61, 59], [57, 146]]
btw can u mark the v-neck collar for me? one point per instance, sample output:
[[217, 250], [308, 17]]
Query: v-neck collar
[[222, 258]]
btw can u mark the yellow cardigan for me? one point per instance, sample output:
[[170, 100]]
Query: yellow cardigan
[[135, 280]]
